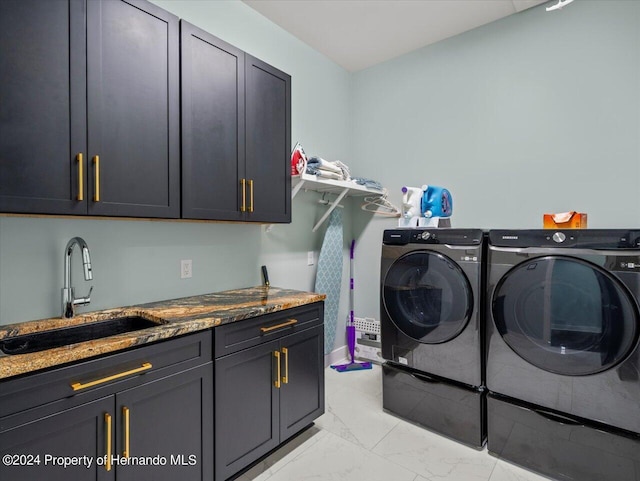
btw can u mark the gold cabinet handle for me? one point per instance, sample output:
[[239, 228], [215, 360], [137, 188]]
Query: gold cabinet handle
[[243, 183], [250, 195], [285, 378], [276, 383], [290, 322], [76, 386], [107, 421], [125, 414], [96, 194], [80, 177]]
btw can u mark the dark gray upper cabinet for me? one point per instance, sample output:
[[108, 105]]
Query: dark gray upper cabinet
[[133, 109], [212, 126], [236, 133], [268, 142], [42, 106], [89, 108], [90, 116]]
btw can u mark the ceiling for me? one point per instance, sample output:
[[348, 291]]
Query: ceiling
[[357, 34]]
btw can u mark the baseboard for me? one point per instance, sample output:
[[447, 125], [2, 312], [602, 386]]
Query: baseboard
[[339, 354]]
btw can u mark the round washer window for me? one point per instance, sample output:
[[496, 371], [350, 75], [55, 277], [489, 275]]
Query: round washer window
[[565, 315], [427, 297]]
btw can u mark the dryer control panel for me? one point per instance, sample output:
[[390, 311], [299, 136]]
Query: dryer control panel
[[463, 237], [576, 238]]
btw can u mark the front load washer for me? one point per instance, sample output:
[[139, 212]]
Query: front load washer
[[431, 329], [563, 358]]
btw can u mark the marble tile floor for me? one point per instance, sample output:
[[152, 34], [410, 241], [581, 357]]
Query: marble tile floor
[[356, 441]]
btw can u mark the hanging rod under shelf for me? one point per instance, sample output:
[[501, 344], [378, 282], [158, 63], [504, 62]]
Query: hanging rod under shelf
[[341, 188]]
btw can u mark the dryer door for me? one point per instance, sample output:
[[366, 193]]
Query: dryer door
[[427, 296], [565, 315]]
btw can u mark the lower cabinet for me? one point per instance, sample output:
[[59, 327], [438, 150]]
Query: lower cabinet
[[266, 393], [30, 450], [155, 413], [153, 426], [168, 422]]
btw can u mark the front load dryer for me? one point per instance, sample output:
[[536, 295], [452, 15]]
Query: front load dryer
[[563, 359], [431, 329]]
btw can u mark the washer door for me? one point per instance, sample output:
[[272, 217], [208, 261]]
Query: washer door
[[427, 297], [565, 315]]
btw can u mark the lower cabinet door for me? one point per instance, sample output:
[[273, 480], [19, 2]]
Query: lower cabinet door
[[165, 428], [246, 407], [302, 391], [39, 449]]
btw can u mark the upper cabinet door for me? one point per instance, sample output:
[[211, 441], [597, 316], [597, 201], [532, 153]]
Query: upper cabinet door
[[268, 142], [133, 109], [212, 75], [42, 106]]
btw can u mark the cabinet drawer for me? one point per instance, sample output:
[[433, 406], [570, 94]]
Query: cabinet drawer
[[230, 338], [105, 375]]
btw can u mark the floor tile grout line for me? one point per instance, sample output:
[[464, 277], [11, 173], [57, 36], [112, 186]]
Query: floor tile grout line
[[302, 451], [397, 423], [379, 456], [386, 435]]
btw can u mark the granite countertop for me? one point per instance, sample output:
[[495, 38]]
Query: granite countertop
[[175, 317]]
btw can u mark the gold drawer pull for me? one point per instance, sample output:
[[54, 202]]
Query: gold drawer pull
[[76, 386], [80, 177], [125, 413], [276, 383], [107, 420], [96, 194], [285, 378], [250, 195], [290, 322]]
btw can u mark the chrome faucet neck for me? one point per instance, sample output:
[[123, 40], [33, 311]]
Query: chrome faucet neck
[[68, 297]]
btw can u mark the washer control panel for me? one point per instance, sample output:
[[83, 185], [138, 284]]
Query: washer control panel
[[471, 237]]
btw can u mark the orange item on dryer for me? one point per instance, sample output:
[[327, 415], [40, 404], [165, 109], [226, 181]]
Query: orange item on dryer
[[565, 220]]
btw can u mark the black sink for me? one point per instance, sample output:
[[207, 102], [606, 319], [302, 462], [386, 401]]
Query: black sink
[[43, 340]]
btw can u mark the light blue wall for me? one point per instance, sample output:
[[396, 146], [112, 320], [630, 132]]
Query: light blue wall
[[139, 261], [538, 112]]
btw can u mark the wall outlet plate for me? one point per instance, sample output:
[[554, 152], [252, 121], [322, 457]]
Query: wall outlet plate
[[186, 269], [310, 258]]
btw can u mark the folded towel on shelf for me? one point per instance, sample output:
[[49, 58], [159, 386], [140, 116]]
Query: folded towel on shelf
[[326, 174], [346, 173], [368, 183], [319, 163], [328, 170]]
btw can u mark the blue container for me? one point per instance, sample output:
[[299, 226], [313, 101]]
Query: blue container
[[436, 202]]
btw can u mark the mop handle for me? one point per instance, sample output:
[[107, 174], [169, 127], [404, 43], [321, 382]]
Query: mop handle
[[351, 286]]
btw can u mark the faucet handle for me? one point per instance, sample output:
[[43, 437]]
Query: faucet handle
[[83, 301]]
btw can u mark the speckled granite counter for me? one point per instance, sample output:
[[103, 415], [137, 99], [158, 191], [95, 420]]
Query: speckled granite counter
[[175, 317]]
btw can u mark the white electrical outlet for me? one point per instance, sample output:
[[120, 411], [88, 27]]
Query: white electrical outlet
[[186, 269], [310, 258]]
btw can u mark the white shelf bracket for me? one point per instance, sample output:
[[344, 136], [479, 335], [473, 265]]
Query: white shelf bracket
[[333, 205], [297, 188]]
